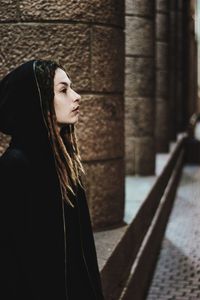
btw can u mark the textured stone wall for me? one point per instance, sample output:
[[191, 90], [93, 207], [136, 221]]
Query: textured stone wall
[[172, 66], [191, 61], [162, 76], [87, 37], [140, 87], [180, 68]]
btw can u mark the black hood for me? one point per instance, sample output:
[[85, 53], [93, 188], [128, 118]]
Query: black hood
[[21, 114], [29, 162]]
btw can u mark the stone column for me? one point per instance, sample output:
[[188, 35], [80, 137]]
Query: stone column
[[191, 61], [172, 67], [180, 69], [197, 10], [87, 37], [140, 87], [162, 76]]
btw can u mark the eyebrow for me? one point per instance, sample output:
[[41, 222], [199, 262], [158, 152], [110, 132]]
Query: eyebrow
[[65, 83]]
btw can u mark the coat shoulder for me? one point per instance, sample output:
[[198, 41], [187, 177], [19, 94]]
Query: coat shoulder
[[14, 158], [14, 173]]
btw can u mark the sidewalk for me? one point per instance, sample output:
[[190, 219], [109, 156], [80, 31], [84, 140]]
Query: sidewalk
[[177, 274]]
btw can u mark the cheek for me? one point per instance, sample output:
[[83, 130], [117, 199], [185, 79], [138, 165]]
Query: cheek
[[62, 108]]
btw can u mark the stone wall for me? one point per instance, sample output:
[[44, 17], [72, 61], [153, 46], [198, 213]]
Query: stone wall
[[140, 87], [162, 76]]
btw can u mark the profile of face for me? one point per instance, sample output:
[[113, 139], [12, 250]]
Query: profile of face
[[66, 100]]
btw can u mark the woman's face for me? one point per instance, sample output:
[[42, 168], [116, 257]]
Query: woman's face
[[65, 99]]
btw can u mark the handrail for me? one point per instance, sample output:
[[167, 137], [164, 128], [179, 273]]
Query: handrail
[[125, 252]]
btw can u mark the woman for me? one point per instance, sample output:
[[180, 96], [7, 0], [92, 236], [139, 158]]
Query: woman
[[47, 244]]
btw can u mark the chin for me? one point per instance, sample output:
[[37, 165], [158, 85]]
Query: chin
[[69, 121], [74, 120]]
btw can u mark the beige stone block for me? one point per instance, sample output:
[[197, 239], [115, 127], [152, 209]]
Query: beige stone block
[[139, 36], [139, 116], [105, 190], [163, 125], [66, 43], [9, 10], [180, 5], [179, 26], [104, 11], [162, 58], [162, 119], [163, 5], [139, 77], [162, 26], [172, 23], [107, 59], [162, 84], [129, 155], [100, 128], [172, 6], [145, 156], [138, 7]]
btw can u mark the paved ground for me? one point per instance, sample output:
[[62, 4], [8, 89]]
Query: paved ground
[[177, 274]]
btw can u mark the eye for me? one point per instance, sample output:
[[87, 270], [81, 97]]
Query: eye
[[64, 91]]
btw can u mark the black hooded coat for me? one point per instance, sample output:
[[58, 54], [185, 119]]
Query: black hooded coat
[[47, 247]]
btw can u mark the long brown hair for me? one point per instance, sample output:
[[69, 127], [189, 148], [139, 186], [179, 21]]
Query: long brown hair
[[65, 146]]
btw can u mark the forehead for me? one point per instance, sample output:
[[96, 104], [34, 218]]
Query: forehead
[[61, 76]]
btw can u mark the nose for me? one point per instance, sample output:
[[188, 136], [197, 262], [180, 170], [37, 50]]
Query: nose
[[77, 97]]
